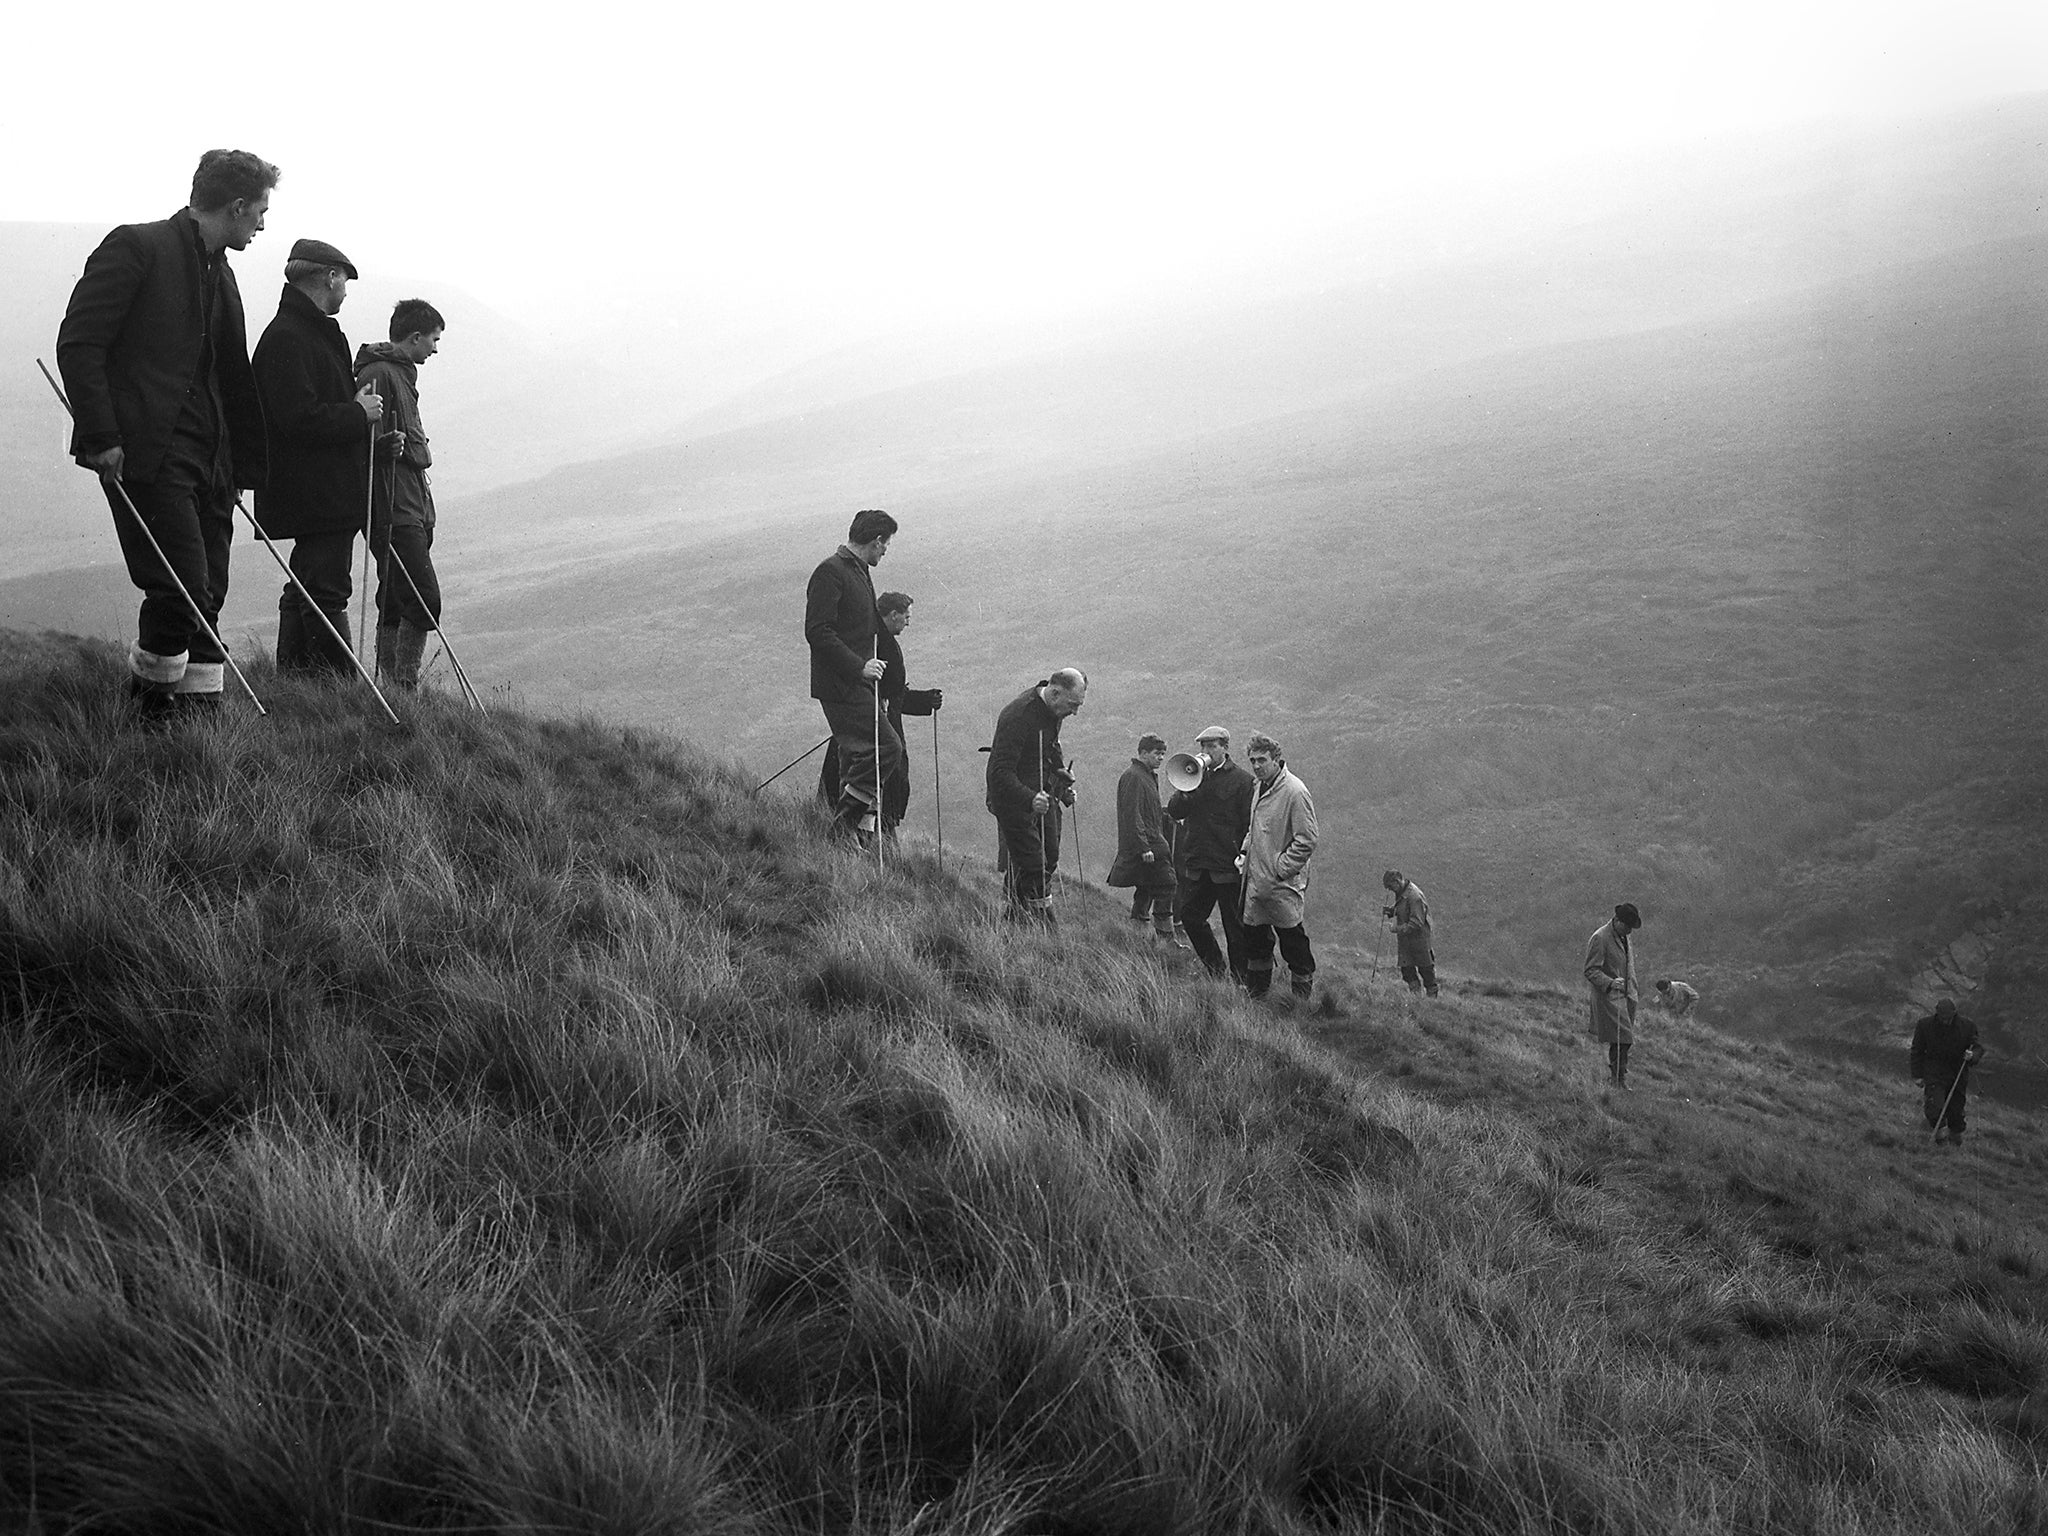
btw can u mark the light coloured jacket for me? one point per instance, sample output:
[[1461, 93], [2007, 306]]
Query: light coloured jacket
[[1277, 847], [1611, 974], [1416, 942]]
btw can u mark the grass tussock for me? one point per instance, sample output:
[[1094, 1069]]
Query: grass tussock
[[510, 1125]]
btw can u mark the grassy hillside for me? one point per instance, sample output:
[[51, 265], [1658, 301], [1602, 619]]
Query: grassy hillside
[[511, 1124]]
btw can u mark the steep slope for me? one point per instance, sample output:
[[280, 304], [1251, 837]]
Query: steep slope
[[503, 1123]]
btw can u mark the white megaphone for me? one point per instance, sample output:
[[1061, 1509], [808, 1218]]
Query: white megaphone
[[1184, 770]]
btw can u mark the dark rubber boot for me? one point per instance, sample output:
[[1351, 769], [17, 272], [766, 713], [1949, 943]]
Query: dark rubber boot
[[293, 654], [411, 646]]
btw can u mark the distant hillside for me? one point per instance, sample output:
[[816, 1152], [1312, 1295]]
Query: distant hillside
[[1738, 618], [509, 1123]]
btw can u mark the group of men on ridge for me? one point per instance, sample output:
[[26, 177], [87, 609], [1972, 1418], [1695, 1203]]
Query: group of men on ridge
[[177, 419]]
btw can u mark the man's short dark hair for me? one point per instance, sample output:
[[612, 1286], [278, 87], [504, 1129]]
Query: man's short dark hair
[[410, 316], [870, 523], [893, 602], [226, 174], [1262, 745]]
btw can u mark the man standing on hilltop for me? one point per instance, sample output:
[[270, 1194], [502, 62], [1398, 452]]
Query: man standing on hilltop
[[1278, 842], [319, 427], [842, 627], [155, 359], [401, 499], [1945, 1047], [1214, 817], [1414, 939], [898, 699], [1144, 858], [1611, 973], [1027, 784]]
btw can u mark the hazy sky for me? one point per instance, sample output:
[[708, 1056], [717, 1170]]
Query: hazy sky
[[888, 159]]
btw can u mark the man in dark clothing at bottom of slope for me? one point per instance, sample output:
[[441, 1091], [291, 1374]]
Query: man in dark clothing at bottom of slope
[[1945, 1047], [401, 498], [1027, 785], [1214, 818], [318, 425], [898, 700], [842, 627], [1144, 857], [155, 360]]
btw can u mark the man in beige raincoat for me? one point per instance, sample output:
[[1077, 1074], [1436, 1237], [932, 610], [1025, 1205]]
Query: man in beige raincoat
[[1277, 847], [1611, 973]]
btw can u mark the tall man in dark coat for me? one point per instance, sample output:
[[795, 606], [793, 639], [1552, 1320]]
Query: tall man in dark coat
[[842, 626], [155, 359], [898, 699], [401, 500], [1027, 784], [1945, 1047], [1214, 817], [319, 427], [1144, 857]]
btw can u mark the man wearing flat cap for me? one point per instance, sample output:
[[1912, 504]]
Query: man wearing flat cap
[[1144, 858], [318, 426], [1611, 974], [1214, 817], [155, 361]]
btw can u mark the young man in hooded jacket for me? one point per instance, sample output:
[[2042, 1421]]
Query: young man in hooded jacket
[[401, 498]]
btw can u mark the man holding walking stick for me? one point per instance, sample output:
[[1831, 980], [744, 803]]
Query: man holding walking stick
[[318, 426], [401, 500], [1945, 1047], [1027, 784], [154, 355], [841, 625]]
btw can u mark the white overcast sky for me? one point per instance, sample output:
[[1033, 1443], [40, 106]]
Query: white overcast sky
[[887, 159]]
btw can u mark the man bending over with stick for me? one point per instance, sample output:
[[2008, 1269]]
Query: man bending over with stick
[[155, 359], [401, 500], [841, 625], [1027, 784]]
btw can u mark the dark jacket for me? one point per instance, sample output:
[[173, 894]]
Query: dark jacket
[[1216, 814], [1025, 756], [401, 496], [134, 343], [1942, 1049], [840, 625], [319, 438], [1140, 829], [898, 698]]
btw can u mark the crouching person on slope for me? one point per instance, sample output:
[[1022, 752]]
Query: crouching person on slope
[[1611, 974], [401, 500], [1277, 848]]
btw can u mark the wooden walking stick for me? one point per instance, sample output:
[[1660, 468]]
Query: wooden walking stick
[[938, 797], [1952, 1087], [369, 516]]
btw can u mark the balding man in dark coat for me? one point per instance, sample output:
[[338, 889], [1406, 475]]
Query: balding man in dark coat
[[1945, 1047]]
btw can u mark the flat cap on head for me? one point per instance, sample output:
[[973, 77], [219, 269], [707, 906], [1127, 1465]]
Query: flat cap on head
[[1945, 1007], [1215, 733], [320, 252]]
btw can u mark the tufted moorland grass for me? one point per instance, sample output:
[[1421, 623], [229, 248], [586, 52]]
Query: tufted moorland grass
[[509, 1124]]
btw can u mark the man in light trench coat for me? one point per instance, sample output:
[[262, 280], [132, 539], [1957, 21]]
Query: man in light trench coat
[[1611, 974]]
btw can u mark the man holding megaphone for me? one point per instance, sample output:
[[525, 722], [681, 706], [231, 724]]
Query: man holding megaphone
[[1213, 802]]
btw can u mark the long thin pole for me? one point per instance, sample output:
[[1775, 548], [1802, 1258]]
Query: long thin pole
[[172, 571], [1952, 1087], [1080, 857], [938, 796], [1378, 939], [778, 773], [468, 693], [340, 639], [369, 516], [875, 652]]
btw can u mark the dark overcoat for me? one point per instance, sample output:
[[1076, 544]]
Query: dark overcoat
[[319, 437], [1140, 829], [133, 346], [840, 625], [1024, 757], [1215, 815]]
